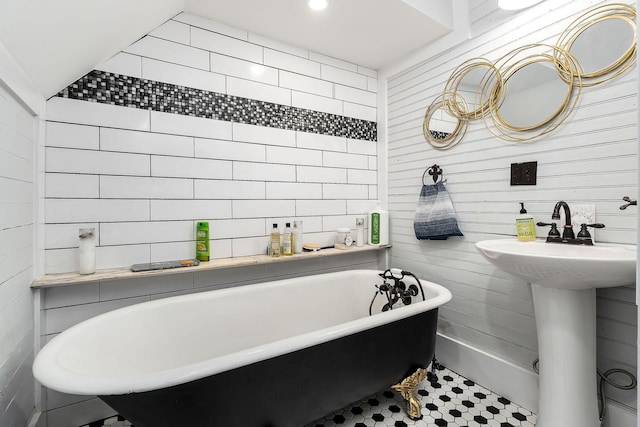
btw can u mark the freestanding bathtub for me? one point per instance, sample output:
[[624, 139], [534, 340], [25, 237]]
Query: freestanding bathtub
[[281, 353]]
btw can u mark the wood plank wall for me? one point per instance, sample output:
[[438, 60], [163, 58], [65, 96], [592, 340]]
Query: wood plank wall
[[16, 261], [590, 159]]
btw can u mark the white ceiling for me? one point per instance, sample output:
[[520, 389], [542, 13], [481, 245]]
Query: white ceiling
[[57, 42], [371, 33]]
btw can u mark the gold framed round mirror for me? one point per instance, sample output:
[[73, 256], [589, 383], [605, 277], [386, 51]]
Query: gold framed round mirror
[[440, 128], [533, 98], [603, 41], [465, 94]]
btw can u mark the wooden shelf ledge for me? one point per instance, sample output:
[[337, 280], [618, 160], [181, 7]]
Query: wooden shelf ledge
[[65, 279]]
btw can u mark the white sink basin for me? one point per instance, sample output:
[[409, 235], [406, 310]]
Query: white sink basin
[[563, 281], [563, 266]]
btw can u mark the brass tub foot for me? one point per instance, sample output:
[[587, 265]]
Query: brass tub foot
[[407, 389]]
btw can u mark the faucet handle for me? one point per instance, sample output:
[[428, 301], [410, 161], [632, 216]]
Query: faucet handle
[[584, 233], [596, 225], [554, 228]]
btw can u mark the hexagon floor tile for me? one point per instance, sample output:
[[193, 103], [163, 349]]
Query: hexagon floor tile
[[450, 400]]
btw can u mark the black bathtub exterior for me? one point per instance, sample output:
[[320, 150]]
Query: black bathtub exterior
[[293, 389]]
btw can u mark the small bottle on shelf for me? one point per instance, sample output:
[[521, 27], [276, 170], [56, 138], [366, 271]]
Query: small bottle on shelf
[[297, 237], [274, 242], [287, 240], [202, 241], [87, 251], [360, 232]]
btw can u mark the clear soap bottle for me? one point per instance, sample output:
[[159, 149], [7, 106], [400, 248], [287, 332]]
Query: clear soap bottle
[[297, 237], [287, 240], [87, 251], [360, 232], [274, 241]]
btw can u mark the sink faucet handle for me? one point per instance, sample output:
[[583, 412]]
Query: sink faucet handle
[[596, 225], [584, 233], [554, 228]]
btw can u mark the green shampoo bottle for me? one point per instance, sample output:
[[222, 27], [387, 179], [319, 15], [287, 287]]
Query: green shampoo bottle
[[202, 241]]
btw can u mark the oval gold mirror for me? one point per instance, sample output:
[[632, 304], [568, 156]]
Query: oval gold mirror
[[533, 95], [603, 41], [534, 98], [441, 129], [465, 94]]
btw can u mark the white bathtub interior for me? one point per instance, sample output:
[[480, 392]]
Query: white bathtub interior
[[229, 328]]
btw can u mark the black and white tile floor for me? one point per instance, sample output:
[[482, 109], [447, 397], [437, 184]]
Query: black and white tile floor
[[449, 401]]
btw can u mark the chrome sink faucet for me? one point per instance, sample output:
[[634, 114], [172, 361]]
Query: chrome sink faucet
[[567, 232]]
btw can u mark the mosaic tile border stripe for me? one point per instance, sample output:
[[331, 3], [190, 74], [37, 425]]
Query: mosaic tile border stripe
[[133, 92]]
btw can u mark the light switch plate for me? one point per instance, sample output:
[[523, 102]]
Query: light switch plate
[[524, 173]]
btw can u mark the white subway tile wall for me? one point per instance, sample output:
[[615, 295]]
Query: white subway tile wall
[[303, 83], [173, 31], [174, 52], [175, 124], [68, 185], [316, 102], [247, 70], [176, 74], [143, 176], [124, 63], [229, 150], [72, 136], [65, 110]]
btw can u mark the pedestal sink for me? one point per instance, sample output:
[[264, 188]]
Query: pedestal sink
[[563, 280]]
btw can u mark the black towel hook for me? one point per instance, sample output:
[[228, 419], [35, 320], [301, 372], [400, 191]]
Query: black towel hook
[[435, 171]]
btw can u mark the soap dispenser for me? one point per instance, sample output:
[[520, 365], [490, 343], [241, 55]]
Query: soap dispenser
[[525, 227]]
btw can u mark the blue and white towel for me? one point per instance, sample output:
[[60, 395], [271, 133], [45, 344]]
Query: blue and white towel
[[435, 218]]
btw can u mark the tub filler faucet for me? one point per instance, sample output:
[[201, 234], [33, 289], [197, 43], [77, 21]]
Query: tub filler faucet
[[568, 236], [395, 289]]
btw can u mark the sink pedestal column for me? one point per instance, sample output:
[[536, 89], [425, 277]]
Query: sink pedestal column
[[566, 326]]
